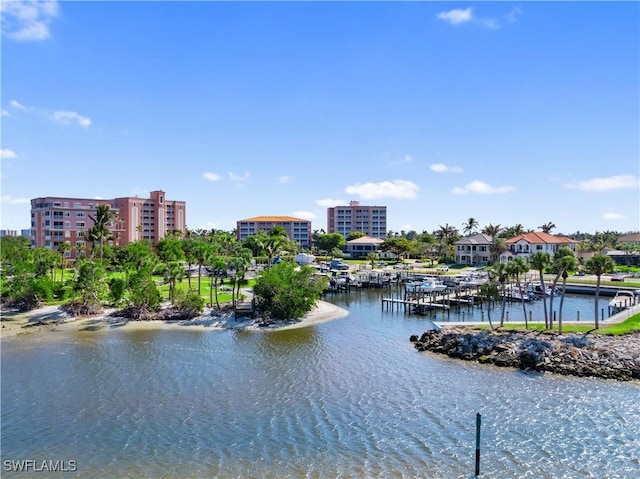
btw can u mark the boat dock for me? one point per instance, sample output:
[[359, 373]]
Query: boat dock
[[420, 302]]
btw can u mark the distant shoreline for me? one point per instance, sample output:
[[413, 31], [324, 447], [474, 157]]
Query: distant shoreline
[[49, 318]]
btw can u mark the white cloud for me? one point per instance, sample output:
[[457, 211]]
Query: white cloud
[[330, 202], [514, 14], [482, 188], [612, 216], [69, 117], [284, 179], [456, 16], [442, 168], [399, 189], [234, 177], [305, 215], [7, 154], [61, 116], [4, 112], [605, 184], [210, 176], [18, 106], [27, 20], [14, 201]]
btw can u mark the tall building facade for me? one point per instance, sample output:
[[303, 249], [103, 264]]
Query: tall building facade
[[56, 220], [370, 220], [298, 230]]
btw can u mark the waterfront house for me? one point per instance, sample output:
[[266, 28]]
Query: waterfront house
[[526, 244], [363, 246], [473, 250]]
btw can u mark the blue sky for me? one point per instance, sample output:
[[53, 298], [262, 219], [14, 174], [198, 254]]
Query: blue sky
[[505, 112]]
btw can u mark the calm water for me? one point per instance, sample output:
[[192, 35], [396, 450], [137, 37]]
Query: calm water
[[345, 399]]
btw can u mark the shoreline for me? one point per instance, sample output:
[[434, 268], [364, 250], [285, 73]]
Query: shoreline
[[52, 318]]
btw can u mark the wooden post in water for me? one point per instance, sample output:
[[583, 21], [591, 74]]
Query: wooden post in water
[[478, 423]]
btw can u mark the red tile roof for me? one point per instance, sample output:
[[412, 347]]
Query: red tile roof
[[540, 238]]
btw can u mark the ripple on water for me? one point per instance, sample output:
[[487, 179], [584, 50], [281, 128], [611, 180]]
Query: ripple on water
[[349, 398]]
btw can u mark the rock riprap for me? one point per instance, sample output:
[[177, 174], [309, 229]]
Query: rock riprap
[[610, 357]]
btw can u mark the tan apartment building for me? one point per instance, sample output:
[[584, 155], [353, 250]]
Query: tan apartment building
[[298, 230], [56, 220], [370, 220]]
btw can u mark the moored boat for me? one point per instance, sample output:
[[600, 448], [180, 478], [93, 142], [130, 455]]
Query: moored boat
[[623, 299]]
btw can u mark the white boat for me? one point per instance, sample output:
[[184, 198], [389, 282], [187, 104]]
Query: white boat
[[427, 285], [547, 291], [471, 280], [623, 299], [513, 294]]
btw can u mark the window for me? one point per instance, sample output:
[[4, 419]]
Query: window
[[80, 224]]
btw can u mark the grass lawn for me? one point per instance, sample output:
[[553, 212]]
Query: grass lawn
[[630, 325], [224, 290]]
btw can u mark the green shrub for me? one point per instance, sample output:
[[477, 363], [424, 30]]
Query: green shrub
[[117, 288], [188, 304], [286, 291]]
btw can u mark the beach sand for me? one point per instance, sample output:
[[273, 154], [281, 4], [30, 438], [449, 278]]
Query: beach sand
[[53, 318]]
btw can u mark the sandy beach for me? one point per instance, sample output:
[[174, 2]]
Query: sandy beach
[[53, 318]]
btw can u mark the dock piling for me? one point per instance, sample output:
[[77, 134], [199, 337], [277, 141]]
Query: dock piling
[[478, 424]]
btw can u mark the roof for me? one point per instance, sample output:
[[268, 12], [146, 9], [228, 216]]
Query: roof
[[273, 219], [479, 238], [630, 238], [540, 238], [366, 240]]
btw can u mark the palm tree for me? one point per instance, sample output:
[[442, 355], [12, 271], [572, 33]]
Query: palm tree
[[490, 292], [172, 273], [599, 264], [62, 249], [218, 265], [201, 252], [275, 241], [547, 227], [517, 267], [568, 264], [497, 247], [515, 230], [446, 236], [559, 265], [492, 230], [581, 248], [501, 274], [239, 263], [471, 226], [539, 261], [189, 246], [104, 218], [372, 258]]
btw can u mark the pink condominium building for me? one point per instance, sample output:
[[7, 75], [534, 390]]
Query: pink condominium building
[[56, 220], [370, 220]]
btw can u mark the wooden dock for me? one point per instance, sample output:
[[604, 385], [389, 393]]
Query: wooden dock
[[420, 302]]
